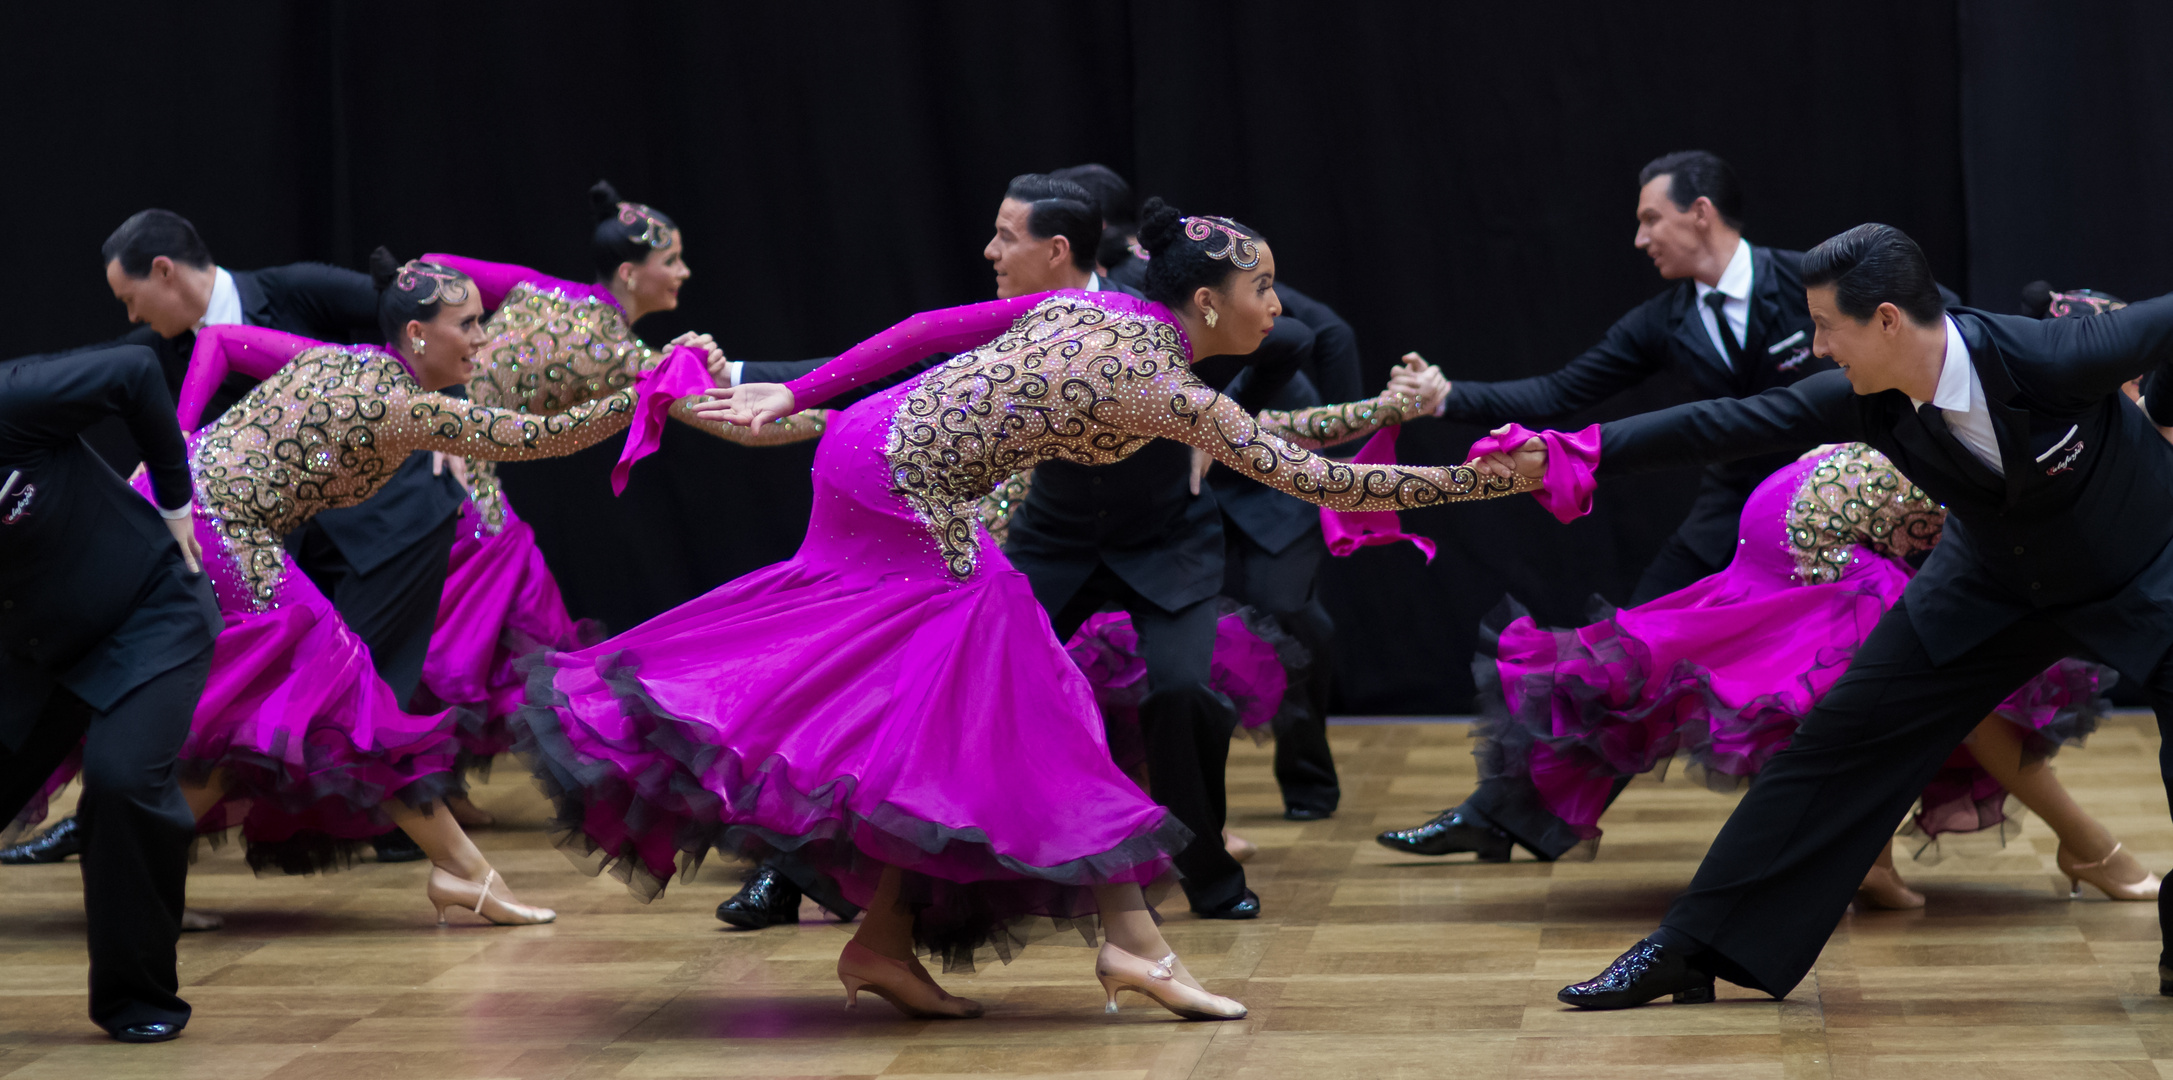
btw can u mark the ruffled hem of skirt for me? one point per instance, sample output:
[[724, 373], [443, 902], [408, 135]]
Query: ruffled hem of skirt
[[666, 821]]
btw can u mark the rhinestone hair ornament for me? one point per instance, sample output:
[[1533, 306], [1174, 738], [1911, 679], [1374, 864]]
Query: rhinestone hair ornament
[[447, 286], [654, 232], [1237, 247]]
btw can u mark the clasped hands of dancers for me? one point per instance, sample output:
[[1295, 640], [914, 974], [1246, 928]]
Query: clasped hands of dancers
[[810, 711]]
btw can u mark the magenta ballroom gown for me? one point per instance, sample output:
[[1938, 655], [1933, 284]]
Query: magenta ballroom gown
[[893, 694], [1722, 672], [294, 719]]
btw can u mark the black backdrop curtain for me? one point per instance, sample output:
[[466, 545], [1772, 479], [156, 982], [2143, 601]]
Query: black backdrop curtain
[[1456, 179]]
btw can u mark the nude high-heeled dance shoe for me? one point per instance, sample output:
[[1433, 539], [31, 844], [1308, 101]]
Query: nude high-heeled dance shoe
[[1156, 980], [449, 890], [1883, 888], [2100, 874], [906, 986]]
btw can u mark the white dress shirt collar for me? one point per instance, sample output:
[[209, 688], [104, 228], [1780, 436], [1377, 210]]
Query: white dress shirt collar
[[1960, 395], [1094, 282], [1735, 284], [225, 306]]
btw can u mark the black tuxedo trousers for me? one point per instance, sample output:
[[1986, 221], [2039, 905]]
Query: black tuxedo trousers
[[136, 833], [1783, 869], [1186, 727]]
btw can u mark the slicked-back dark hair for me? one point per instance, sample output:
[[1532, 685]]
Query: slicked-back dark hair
[[1060, 207], [1120, 213], [1871, 265], [1692, 173], [148, 234]]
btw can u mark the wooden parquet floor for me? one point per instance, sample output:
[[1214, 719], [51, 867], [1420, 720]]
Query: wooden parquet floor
[[1367, 964]]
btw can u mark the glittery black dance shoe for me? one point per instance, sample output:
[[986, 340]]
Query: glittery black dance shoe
[[50, 846], [768, 899], [147, 1033], [1646, 972], [1448, 834]]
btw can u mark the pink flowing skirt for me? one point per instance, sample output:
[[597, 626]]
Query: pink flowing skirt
[[859, 706], [1257, 667], [500, 604], [309, 741]]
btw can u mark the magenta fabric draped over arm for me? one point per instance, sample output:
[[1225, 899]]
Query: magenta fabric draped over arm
[[1348, 530], [1571, 459], [683, 373], [254, 351], [493, 280], [949, 330]]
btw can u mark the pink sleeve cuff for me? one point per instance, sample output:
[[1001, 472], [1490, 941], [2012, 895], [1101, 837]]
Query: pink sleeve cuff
[[1571, 459], [1348, 530]]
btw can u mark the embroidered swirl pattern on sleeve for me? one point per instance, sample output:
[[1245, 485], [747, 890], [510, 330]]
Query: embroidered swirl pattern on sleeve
[[1075, 382], [332, 427]]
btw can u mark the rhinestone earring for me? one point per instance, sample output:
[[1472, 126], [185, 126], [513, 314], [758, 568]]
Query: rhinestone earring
[[1210, 318], [417, 342]]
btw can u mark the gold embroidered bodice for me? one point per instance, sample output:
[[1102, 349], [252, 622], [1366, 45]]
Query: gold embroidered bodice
[[1076, 382], [332, 427], [547, 352], [1855, 496]]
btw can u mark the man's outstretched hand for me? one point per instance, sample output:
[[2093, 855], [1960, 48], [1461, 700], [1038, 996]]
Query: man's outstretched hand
[[747, 405], [1528, 461]]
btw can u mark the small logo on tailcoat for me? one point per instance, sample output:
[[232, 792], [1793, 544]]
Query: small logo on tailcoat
[[19, 506], [2067, 460]]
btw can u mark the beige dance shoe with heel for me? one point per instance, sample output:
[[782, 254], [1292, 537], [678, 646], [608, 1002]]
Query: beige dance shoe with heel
[[449, 890], [909, 987], [1883, 888], [1157, 980], [2102, 873]]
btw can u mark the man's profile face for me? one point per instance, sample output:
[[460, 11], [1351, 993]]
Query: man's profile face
[[1025, 264], [1672, 237], [158, 299], [1868, 352]]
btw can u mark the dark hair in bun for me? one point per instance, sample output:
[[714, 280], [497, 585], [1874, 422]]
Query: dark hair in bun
[[1186, 253], [626, 232], [413, 291]]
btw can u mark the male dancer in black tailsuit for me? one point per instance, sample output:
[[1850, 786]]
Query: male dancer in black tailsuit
[[383, 562], [2058, 541], [106, 628], [1732, 322]]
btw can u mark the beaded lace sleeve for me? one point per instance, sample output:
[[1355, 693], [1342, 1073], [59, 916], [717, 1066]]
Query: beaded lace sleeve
[[1328, 425], [1190, 411], [1856, 497], [416, 419]]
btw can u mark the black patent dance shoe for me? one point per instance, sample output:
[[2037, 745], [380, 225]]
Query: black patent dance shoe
[[147, 1033], [50, 846], [1306, 813], [1646, 972], [397, 846], [1246, 906], [768, 899], [1448, 834]]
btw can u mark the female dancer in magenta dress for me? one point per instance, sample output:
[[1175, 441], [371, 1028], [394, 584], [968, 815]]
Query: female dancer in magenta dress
[[1722, 672], [296, 740], [549, 344], [890, 702]]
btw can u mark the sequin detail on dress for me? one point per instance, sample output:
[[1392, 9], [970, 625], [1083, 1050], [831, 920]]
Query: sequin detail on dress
[[1854, 496], [1074, 381], [331, 428]]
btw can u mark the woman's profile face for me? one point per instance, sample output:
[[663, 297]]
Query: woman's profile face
[[1245, 310], [653, 283], [450, 341]]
